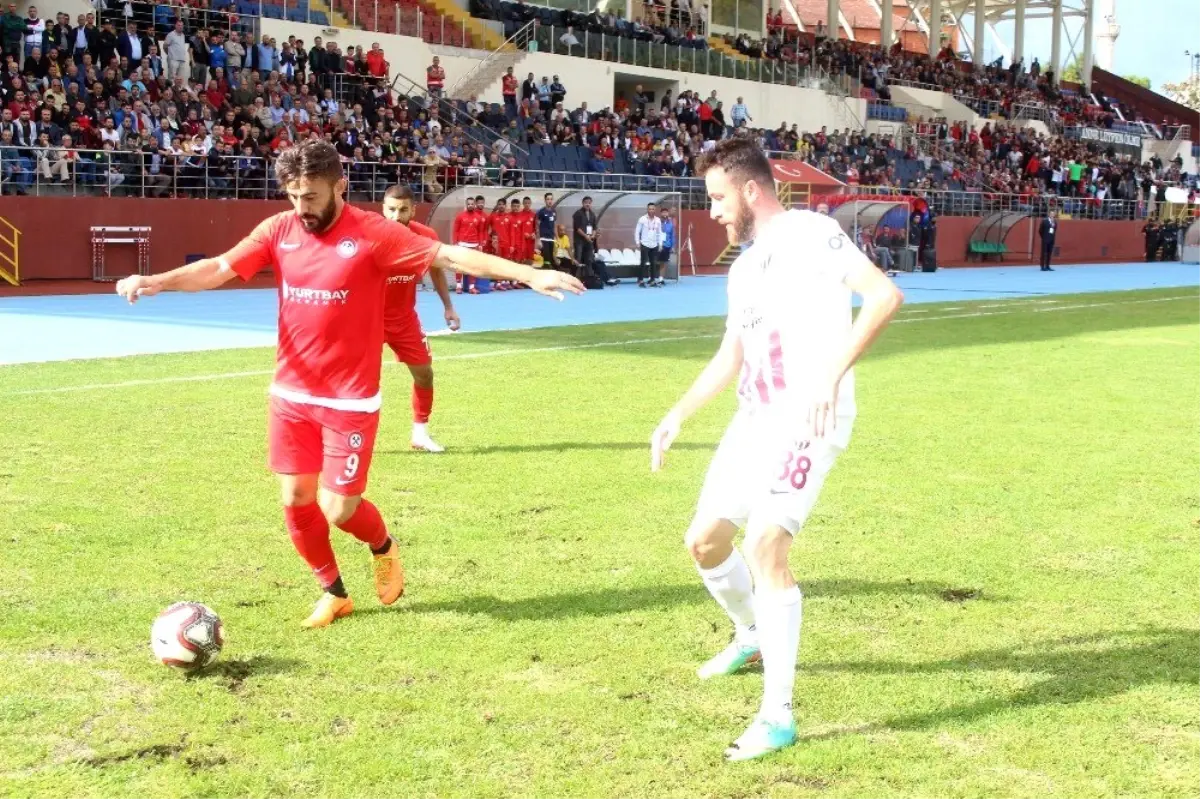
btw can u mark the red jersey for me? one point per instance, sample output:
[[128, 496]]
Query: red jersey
[[508, 85], [466, 228], [400, 296], [528, 225], [501, 225], [331, 288], [481, 225]]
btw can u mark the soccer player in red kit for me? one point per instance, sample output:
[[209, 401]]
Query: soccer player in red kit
[[500, 222], [332, 262], [465, 233], [528, 231], [401, 325]]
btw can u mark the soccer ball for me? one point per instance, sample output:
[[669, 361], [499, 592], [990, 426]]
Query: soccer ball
[[187, 636]]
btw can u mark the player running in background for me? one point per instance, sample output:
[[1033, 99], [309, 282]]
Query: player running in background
[[401, 325], [331, 262], [791, 344]]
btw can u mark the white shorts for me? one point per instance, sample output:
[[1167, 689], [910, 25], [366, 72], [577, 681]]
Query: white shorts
[[763, 478]]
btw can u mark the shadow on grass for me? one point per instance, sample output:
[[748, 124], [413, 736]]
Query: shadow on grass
[[234, 673], [1081, 669], [616, 601]]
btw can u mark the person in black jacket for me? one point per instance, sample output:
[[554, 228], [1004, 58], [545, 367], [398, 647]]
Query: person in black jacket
[[1150, 231], [1046, 232]]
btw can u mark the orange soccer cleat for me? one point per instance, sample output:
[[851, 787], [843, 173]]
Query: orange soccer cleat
[[329, 609], [389, 575]]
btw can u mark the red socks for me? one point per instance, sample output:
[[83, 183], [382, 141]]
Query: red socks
[[367, 526], [310, 535], [422, 402]]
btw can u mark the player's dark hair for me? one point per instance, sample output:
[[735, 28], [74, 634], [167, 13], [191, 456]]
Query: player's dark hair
[[314, 158], [399, 192], [480, 199], [515, 201], [742, 160], [587, 199]]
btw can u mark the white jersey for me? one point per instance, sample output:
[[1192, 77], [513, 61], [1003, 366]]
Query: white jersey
[[791, 308]]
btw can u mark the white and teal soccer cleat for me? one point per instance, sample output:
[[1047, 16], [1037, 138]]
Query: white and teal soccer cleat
[[730, 660], [762, 737]]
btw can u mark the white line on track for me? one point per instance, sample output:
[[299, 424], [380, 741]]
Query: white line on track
[[1012, 308]]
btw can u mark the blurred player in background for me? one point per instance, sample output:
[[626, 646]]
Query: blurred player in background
[[465, 233], [528, 231], [791, 344], [401, 325], [332, 262], [501, 223]]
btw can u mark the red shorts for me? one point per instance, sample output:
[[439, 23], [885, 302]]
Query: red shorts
[[410, 345], [311, 439]]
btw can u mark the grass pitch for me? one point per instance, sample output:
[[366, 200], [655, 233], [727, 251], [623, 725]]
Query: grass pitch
[[1000, 577]]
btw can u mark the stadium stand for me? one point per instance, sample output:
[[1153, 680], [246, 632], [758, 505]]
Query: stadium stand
[[188, 101]]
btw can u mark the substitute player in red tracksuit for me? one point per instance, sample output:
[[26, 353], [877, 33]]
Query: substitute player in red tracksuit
[[331, 263], [465, 233], [401, 325], [528, 231], [501, 223]]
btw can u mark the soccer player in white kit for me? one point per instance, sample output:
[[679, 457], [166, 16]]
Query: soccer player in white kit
[[791, 342]]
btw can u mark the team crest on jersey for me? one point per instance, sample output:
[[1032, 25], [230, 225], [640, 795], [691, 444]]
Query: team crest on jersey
[[355, 440], [835, 243], [347, 248]]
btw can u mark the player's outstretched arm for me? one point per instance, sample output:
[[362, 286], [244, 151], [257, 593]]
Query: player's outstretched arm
[[544, 281], [202, 275], [717, 375]]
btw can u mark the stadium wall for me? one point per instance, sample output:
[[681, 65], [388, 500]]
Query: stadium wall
[[55, 241], [587, 80]]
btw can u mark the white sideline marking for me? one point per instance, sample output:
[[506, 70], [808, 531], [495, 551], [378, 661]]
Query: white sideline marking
[[158, 381]]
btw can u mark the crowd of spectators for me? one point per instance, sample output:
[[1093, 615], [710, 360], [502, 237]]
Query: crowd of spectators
[[195, 106]]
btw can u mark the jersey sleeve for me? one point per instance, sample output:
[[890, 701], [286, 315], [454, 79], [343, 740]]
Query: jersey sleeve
[[399, 251], [834, 253], [255, 252]]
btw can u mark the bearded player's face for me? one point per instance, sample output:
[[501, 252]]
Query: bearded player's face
[[729, 206], [315, 201], [398, 210]]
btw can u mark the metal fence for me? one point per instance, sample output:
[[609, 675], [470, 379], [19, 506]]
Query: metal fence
[[694, 60], [225, 175], [979, 203]]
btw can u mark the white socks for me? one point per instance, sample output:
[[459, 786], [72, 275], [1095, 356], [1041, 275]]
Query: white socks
[[731, 585], [420, 430], [778, 614]]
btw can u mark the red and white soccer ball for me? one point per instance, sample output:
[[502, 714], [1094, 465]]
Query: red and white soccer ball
[[187, 636]]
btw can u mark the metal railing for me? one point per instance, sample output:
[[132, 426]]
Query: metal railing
[[518, 41], [229, 176], [979, 203], [450, 111], [677, 58]]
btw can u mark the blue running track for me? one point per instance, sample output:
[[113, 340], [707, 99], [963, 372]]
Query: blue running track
[[55, 328]]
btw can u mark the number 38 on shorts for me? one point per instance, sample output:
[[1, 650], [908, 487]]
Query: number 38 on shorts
[[792, 470]]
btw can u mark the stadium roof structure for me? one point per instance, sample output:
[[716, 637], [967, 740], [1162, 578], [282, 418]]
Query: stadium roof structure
[[914, 15]]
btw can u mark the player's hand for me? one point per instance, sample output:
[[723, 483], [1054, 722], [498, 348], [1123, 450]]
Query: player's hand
[[822, 411], [452, 320], [135, 286], [553, 283], [662, 439]]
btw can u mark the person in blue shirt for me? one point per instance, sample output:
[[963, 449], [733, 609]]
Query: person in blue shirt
[[546, 219], [668, 232]]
